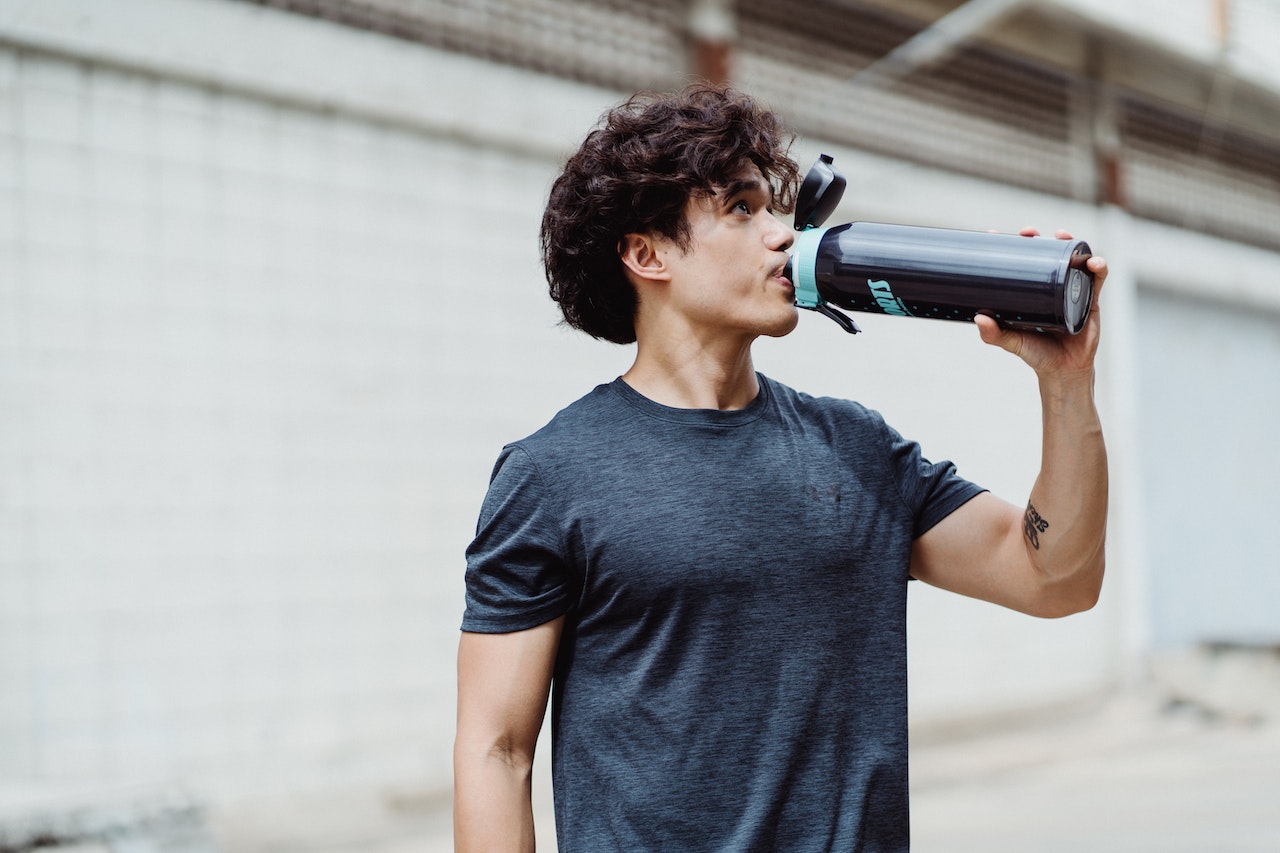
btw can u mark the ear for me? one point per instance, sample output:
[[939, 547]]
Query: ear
[[643, 258]]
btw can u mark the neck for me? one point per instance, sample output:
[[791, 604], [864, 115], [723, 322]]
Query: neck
[[694, 375]]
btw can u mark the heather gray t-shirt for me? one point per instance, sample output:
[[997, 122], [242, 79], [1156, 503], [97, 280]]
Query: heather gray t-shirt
[[732, 673]]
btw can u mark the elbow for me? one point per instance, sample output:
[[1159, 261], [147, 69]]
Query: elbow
[[1076, 594], [1060, 606], [513, 756], [500, 750], [1063, 606]]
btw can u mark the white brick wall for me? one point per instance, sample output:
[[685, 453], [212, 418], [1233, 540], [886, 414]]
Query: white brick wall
[[263, 358], [245, 426], [270, 304]]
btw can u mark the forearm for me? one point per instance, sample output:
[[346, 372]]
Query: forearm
[[1065, 521], [503, 684], [1047, 559], [492, 806]]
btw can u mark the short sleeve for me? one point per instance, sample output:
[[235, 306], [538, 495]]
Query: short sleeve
[[516, 576], [931, 490]]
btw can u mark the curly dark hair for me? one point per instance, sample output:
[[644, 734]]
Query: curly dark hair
[[634, 174]]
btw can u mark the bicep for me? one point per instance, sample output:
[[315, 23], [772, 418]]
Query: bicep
[[978, 551], [503, 684]]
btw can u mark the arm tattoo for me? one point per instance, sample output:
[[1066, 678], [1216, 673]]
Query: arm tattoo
[[1034, 525]]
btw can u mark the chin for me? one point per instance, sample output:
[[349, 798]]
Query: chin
[[785, 326]]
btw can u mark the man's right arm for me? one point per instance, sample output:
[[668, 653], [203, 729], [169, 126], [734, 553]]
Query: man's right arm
[[503, 684]]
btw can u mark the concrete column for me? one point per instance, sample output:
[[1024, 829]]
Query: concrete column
[[713, 29], [1128, 584]]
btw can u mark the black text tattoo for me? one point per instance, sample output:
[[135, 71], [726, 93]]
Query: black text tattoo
[[1034, 526]]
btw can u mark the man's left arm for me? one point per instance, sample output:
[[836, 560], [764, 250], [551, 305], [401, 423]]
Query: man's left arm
[[1046, 558]]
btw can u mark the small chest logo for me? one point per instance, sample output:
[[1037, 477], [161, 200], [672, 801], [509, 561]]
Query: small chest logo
[[883, 295]]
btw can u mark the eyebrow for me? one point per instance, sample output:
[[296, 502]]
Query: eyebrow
[[739, 186]]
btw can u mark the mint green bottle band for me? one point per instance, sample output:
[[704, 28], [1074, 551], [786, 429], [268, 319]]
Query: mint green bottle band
[[804, 259]]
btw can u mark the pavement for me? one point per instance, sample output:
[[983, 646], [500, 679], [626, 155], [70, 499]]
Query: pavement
[[1136, 775], [1186, 762], [1155, 769]]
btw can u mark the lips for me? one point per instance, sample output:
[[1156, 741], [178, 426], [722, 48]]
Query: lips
[[780, 275]]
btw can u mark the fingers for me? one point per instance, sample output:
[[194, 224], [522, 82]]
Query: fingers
[[991, 333], [1031, 231], [1096, 264]]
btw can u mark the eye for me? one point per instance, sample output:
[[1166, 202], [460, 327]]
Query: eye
[[741, 207]]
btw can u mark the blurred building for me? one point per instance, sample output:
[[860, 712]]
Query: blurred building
[[270, 304]]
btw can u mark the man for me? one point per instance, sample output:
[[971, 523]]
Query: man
[[710, 567]]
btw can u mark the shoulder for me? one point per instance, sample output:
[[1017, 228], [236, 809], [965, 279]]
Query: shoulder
[[836, 414], [590, 411], [577, 432], [533, 475]]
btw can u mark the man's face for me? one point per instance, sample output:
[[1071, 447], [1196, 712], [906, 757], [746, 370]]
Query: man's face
[[730, 280]]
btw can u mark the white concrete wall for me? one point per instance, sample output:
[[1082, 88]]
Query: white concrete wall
[[269, 306]]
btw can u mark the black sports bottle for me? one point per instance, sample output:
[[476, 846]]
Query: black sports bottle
[[911, 271]]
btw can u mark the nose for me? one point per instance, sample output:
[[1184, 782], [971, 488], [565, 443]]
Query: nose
[[780, 236]]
